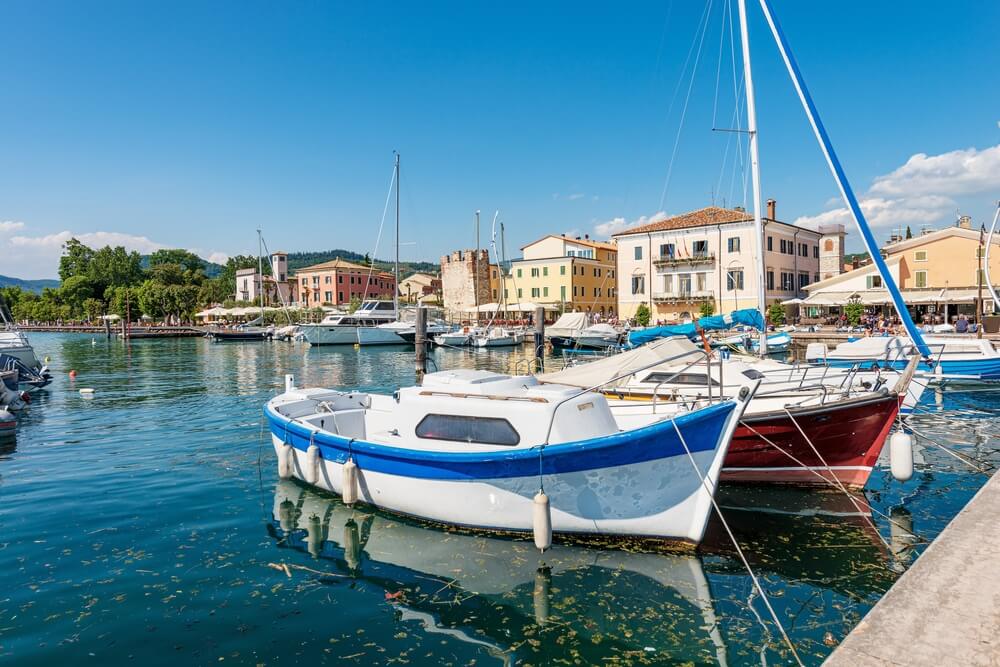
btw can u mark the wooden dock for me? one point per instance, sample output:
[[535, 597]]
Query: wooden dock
[[945, 610]]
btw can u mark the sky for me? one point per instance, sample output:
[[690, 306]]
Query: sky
[[191, 124]]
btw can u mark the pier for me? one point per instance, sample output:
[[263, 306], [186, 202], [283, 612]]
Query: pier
[[946, 609]]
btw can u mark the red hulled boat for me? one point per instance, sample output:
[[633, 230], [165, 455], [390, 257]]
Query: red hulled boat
[[848, 434]]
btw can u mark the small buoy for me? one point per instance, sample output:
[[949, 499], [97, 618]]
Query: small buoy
[[86, 390], [72, 374], [349, 493], [542, 521], [357, 346], [540, 594], [48, 359], [312, 464], [901, 455], [286, 461]]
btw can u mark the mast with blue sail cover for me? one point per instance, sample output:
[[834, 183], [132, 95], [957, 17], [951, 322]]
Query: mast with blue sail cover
[[838, 173]]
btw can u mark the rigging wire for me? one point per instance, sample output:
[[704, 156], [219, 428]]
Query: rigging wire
[[703, 30], [378, 239]]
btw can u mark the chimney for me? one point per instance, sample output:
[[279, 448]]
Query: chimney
[[965, 222], [740, 209], [771, 205]]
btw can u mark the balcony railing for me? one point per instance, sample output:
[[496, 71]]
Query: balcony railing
[[682, 296], [695, 258]]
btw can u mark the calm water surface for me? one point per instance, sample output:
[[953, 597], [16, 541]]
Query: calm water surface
[[147, 526]]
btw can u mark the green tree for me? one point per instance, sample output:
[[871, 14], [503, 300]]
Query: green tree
[[188, 261], [909, 234], [93, 308], [776, 314], [75, 259], [706, 308], [354, 305], [854, 310], [74, 291], [642, 315], [115, 267], [123, 301], [169, 273]]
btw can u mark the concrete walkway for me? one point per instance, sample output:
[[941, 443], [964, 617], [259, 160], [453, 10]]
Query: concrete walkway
[[945, 610]]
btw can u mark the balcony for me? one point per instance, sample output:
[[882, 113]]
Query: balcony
[[684, 296], [691, 260]]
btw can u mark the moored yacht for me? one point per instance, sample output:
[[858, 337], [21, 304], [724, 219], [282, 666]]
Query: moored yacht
[[371, 324], [961, 358]]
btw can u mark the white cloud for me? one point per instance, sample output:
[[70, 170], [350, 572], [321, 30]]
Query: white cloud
[[218, 257], [7, 226], [620, 224], [968, 171], [925, 190], [92, 239], [575, 196]]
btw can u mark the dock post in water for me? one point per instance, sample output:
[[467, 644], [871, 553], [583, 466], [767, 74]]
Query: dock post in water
[[540, 336], [420, 343], [107, 327]]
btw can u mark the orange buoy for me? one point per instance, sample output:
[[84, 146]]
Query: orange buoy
[[72, 374]]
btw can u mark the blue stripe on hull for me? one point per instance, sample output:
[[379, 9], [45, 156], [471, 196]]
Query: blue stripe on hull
[[984, 369], [701, 431]]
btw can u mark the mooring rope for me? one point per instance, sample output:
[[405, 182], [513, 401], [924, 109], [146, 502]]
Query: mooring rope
[[739, 551]]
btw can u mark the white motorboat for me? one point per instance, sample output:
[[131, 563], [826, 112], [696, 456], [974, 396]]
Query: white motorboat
[[15, 344], [454, 338], [476, 449], [497, 337], [961, 358], [373, 323], [599, 337], [564, 331]]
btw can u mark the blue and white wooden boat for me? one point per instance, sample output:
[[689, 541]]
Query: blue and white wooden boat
[[957, 359], [473, 448]]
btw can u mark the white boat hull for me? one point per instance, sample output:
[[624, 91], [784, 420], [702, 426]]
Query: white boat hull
[[320, 334]]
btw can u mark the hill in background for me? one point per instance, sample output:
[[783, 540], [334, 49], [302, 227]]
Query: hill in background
[[28, 285]]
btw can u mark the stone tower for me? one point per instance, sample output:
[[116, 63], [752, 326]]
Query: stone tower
[[831, 251], [459, 272]]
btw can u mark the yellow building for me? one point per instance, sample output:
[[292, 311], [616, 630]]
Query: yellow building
[[572, 274]]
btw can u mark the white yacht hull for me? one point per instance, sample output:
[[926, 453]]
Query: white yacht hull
[[321, 334]]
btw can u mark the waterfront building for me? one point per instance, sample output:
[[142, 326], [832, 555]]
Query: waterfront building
[[565, 272], [937, 271], [420, 287], [278, 288], [338, 282], [711, 256], [464, 273]]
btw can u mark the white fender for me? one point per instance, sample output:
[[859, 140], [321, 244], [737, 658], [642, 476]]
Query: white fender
[[349, 491], [542, 522], [311, 472], [286, 461], [901, 455]]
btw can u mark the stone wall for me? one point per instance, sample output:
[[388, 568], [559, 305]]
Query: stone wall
[[458, 279]]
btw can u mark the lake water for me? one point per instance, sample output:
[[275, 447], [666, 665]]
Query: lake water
[[146, 525]]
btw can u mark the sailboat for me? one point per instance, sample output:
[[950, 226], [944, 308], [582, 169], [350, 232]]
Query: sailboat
[[493, 335], [255, 330], [375, 322]]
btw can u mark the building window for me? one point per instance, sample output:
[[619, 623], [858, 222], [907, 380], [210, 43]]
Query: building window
[[668, 283], [505, 294], [770, 243], [638, 284], [701, 279], [328, 296], [519, 292], [921, 278], [803, 280], [562, 270], [562, 292], [597, 291], [815, 252], [920, 256], [734, 244], [873, 282], [597, 273], [734, 279], [770, 279], [534, 273], [519, 273], [305, 282], [667, 250], [803, 250], [638, 252], [574, 291], [815, 277], [494, 295], [545, 270], [534, 292], [545, 291], [699, 249]]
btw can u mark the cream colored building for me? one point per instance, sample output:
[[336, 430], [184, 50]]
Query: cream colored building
[[710, 255], [937, 273], [570, 273]]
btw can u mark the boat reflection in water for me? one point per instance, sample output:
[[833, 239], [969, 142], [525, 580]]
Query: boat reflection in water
[[575, 600]]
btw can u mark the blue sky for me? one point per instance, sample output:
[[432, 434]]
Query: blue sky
[[190, 124]]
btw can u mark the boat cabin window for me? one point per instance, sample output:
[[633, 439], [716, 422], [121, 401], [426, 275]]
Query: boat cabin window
[[460, 428], [753, 374], [680, 378]]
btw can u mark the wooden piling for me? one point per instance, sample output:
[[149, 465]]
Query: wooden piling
[[420, 343], [540, 336]]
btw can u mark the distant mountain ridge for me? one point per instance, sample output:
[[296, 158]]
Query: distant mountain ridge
[[28, 285], [298, 260]]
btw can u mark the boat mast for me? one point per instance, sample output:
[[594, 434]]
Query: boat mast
[[986, 263], [758, 224], [260, 273], [395, 291], [475, 268], [838, 174]]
